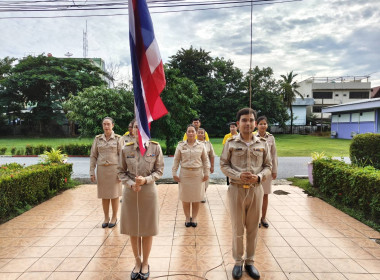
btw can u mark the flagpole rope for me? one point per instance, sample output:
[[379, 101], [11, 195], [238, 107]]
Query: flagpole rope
[[250, 60]]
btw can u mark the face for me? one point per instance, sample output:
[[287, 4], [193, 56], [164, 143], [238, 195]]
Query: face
[[190, 133], [135, 129], [107, 126], [197, 124], [262, 126], [130, 128], [201, 135], [246, 124], [233, 129]]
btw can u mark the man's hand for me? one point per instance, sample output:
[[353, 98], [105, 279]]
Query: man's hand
[[249, 178], [176, 178], [93, 178], [140, 180], [205, 178], [274, 176], [212, 169], [136, 188]]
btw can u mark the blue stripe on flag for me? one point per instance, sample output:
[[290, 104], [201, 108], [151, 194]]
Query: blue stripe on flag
[[146, 23]]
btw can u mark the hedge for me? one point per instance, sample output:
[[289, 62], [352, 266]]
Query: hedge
[[355, 187], [31, 185], [76, 149], [365, 150]]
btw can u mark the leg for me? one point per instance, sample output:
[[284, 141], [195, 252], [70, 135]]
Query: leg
[[136, 248], [146, 247], [106, 210], [115, 208], [186, 210], [264, 208], [195, 209]]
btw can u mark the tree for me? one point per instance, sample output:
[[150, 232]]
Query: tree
[[90, 106], [181, 98], [266, 96], [5, 68], [43, 83], [289, 93]]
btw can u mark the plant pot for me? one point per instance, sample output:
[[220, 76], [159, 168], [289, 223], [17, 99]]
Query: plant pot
[[310, 172]]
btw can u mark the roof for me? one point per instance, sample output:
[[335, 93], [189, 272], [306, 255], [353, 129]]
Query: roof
[[375, 92], [303, 102], [353, 106]]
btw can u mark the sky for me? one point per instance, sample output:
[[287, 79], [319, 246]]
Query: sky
[[322, 38]]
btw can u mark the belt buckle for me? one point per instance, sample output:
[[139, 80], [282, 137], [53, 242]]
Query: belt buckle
[[191, 169], [106, 164], [246, 186]]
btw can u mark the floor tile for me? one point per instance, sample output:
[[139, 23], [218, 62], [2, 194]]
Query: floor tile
[[46, 264]]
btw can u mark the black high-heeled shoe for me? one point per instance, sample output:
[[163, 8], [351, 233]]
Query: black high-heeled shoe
[[135, 275], [144, 276], [110, 225]]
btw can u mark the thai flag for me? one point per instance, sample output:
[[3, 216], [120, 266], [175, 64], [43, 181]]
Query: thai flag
[[147, 69]]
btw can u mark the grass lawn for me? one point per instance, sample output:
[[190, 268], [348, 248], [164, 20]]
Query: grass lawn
[[287, 145]]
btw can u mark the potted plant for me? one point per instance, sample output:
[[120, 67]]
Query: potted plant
[[314, 156]]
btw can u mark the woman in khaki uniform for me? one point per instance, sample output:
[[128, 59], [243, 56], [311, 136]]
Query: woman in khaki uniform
[[195, 168], [104, 156], [210, 154], [139, 209], [262, 126]]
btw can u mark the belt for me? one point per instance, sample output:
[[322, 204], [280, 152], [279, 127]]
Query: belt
[[245, 186], [191, 168]]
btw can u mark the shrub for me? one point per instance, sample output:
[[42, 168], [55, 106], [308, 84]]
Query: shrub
[[13, 151], [20, 152], [28, 150], [40, 149], [3, 150], [76, 149], [20, 187], [365, 150], [54, 156], [355, 187]]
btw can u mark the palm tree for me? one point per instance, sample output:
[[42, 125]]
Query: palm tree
[[289, 93]]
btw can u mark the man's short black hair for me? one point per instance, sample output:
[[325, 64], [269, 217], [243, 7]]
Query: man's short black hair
[[196, 119], [245, 111], [232, 123]]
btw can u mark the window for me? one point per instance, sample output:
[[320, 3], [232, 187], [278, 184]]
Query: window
[[322, 94], [317, 109], [359, 94]]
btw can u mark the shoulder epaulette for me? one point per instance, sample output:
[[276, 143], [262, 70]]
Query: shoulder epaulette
[[231, 138], [129, 143], [98, 135], [181, 142], [117, 135], [154, 142], [127, 133]]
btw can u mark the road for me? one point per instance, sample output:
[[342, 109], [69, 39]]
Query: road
[[288, 166]]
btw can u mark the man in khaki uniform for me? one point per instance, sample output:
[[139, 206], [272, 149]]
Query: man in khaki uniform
[[128, 136], [246, 161]]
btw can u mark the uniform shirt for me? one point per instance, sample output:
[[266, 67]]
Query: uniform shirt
[[105, 152], [238, 157], [127, 137], [227, 136], [196, 137], [191, 157], [133, 164], [209, 149], [272, 149]]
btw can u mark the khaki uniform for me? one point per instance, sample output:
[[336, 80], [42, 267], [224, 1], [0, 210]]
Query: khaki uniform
[[196, 137], [245, 203], [269, 138], [210, 154], [127, 137], [194, 166], [139, 210], [105, 157]]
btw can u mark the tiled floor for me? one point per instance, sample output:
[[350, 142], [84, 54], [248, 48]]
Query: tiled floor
[[307, 239]]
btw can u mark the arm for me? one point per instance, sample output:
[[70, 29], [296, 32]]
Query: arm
[[122, 171], [205, 161], [93, 158], [176, 161], [158, 168], [267, 164], [225, 163], [274, 158], [212, 158]]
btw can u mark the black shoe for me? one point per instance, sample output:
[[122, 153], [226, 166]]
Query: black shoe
[[188, 224], [194, 224], [144, 276], [252, 271], [112, 225], [237, 272], [135, 275], [203, 201], [104, 225], [265, 224]]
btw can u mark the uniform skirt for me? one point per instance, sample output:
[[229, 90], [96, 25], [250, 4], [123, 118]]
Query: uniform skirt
[[139, 211], [191, 187], [267, 185], [109, 186]]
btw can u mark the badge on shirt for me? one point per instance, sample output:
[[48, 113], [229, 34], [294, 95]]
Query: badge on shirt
[[238, 149], [131, 156], [259, 149], [151, 155]]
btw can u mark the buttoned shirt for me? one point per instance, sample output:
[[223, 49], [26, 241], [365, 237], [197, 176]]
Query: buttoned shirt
[[105, 152], [133, 164], [209, 149], [196, 137], [269, 138], [194, 156], [238, 157]]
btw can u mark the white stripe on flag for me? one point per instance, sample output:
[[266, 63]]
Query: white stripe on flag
[[143, 134], [153, 56], [131, 21], [148, 114]]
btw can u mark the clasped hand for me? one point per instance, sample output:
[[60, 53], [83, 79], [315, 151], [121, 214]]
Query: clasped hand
[[140, 180], [249, 178]]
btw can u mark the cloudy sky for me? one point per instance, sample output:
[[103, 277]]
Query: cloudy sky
[[311, 37]]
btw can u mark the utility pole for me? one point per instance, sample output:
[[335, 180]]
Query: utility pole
[[85, 42]]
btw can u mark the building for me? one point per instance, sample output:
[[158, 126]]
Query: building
[[353, 118], [375, 92], [300, 110], [329, 91]]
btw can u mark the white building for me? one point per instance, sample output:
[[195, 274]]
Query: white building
[[329, 91]]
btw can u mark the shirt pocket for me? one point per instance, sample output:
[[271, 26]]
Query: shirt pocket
[[257, 157], [150, 160], [239, 157]]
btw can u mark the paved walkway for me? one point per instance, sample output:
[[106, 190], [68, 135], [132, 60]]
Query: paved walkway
[[307, 239]]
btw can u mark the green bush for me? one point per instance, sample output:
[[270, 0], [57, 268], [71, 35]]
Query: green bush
[[76, 149], [3, 150], [365, 150], [354, 187], [13, 151], [28, 150], [20, 187], [20, 152], [40, 149]]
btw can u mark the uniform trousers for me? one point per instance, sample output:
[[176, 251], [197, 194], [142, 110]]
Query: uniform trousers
[[245, 211]]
